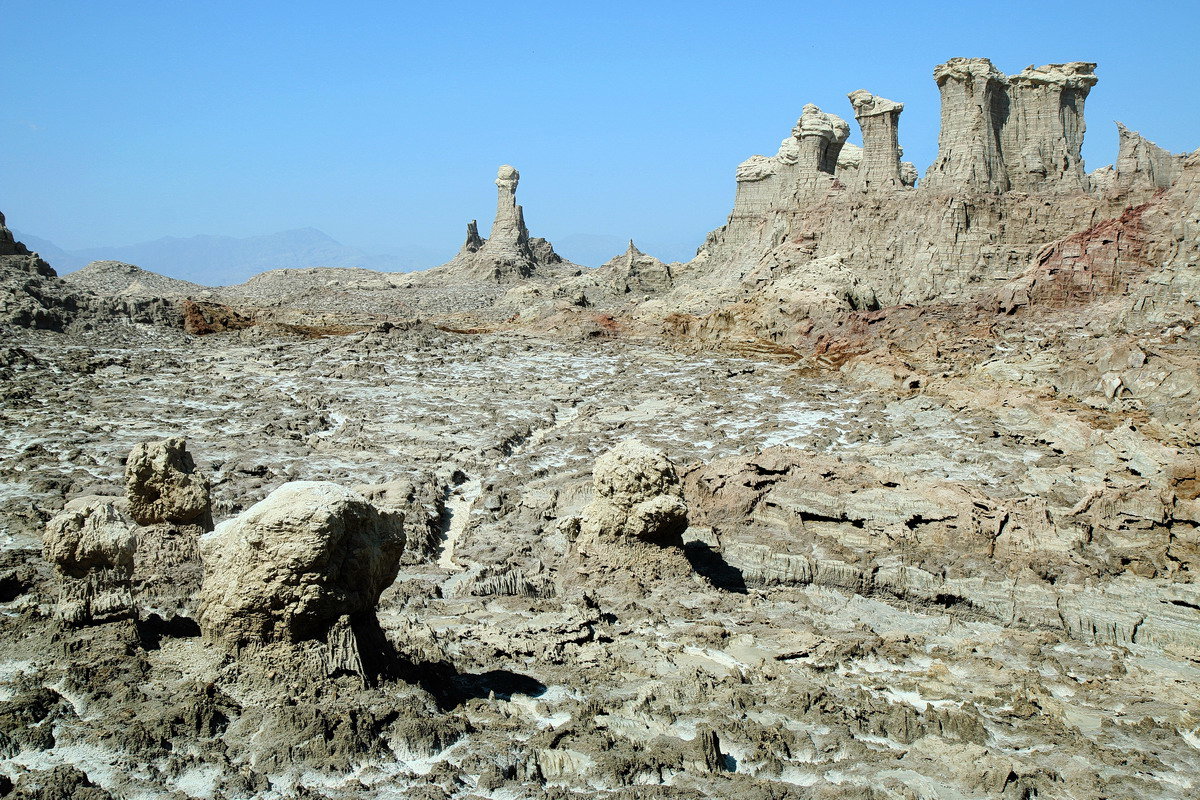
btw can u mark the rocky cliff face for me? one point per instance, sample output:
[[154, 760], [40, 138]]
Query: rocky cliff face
[[861, 232]]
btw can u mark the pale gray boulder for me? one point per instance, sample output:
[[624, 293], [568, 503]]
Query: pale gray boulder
[[91, 544], [89, 534], [290, 566], [638, 497]]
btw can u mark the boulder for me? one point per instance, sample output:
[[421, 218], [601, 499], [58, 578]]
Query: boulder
[[91, 543], [162, 485], [289, 566], [88, 535], [637, 497]]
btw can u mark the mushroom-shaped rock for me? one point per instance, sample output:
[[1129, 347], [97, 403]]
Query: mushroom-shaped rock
[[162, 485], [90, 534], [289, 566], [637, 496]]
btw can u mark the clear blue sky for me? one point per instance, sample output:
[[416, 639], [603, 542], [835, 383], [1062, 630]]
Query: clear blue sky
[[382, 123]]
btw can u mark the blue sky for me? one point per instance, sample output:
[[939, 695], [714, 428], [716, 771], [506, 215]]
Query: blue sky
[[382, 123]]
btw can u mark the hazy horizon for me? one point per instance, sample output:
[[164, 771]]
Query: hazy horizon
[[383, 126]]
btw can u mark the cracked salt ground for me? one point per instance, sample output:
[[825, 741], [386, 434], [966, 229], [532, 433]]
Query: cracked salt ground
[[807, 683]]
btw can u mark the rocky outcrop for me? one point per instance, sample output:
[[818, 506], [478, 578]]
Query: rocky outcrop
[[28, 296], [119, 279], [803, 167], [637, 497], [509, 253], [91, 544], [90, 534], [9, 246], [879, 119], [979, 215], [33, 296], [1021, 132], [634, 272], [290, 566], [974, 103], [171, 501], [1141, 164], [162, 485], [1043, 133]]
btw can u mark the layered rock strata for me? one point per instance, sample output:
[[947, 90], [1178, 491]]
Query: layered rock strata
[[804, 166], [1021, 132], [980, 214]]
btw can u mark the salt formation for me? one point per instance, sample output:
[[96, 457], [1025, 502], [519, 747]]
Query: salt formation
[[804, 165], [91, 544], [635, 272], [162, 485], [1021, 132], [509, 253], [8, 245], [637, 497], [934, 529], [291, 565], [879, 119], [90, 534], [1141, 163]]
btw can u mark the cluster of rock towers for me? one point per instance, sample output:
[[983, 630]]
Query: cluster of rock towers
[[999, 133]]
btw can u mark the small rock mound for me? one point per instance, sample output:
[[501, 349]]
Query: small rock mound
[[638, 497], [289, 566], [163, 487], [92, 545], [89, 534], [119, 279]]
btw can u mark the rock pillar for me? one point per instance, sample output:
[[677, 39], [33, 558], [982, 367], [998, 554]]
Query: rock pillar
[[509, 226], [1043, 132], [974, 108], [820, 138], [879, 119]]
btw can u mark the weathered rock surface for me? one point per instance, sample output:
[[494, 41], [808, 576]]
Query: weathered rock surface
[[879, 119], [91, 534], [637, 497], [634, 272], [118, 279], [509, 253], [289, 566], [162, 485], [92, 543], [944, 548]]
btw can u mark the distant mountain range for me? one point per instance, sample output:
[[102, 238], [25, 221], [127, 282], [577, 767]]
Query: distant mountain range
[[224, 260]]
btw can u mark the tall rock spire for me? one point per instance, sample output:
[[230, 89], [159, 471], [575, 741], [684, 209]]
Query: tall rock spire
[[508, 228], [1021, 132], [974, 107], [509, 253], [1043, 133], [879, 119]]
